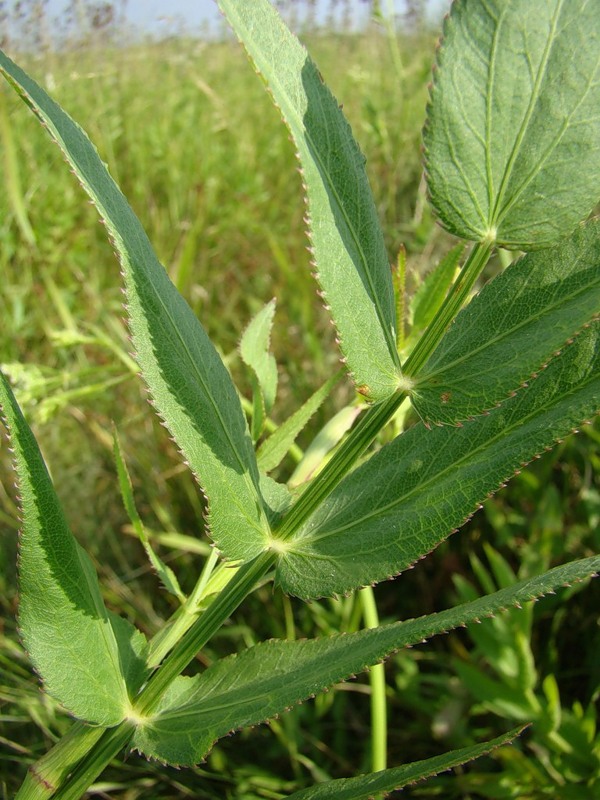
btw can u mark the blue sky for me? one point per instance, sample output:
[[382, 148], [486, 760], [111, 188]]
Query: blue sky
[[161, 17]]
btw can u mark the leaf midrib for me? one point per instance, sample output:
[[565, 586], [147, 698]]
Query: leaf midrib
[[550, 149]]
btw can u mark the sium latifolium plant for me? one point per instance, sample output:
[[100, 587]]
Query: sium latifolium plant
[[512, 156]]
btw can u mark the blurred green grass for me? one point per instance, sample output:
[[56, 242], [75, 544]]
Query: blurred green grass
[[192, 138]]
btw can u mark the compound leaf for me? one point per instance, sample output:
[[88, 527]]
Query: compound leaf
[[85, 657], [190, 386], [349, 251], [512, 329], [415, 491], [512, 139], [269, 678]]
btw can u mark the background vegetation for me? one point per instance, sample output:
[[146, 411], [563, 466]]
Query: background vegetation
[[197, 147]]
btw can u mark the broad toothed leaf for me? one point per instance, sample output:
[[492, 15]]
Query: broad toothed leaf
[[271, 677], [189, 384], [365, 787], [512, 142], [414, 492], [349, 250], [512, 328], [87, 659]]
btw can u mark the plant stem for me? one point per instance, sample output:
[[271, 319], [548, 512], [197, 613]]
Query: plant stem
[[114, 739], [50, 771], [203, 630], [343, 459], [184, 618], [457, 296], [111, 743], [377, 681]]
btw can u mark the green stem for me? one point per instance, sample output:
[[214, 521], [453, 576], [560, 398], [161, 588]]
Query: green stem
[[377, 681], [112, 742], [344, 458], [456, 298], [50, 771], [184, 618], [203, 630], [114, 739]]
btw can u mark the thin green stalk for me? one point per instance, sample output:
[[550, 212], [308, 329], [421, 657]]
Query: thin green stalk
[[341, 462], [184, 618], [12, 178], [399, 278], [203, 630], [377, 681], [392, 37], [456, 298]]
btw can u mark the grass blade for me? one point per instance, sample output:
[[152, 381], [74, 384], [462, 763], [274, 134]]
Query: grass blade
[[166, 575], [274, 449]]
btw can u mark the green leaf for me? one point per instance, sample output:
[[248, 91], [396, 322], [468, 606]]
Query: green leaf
[[64, 624], [274, 449], [254, 349], [512, 329], [133, 651], [348, 246], [364, 787], [269, 678], [512, 139], [277, 497], [415, 491], [166, 575], [190, 386]]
